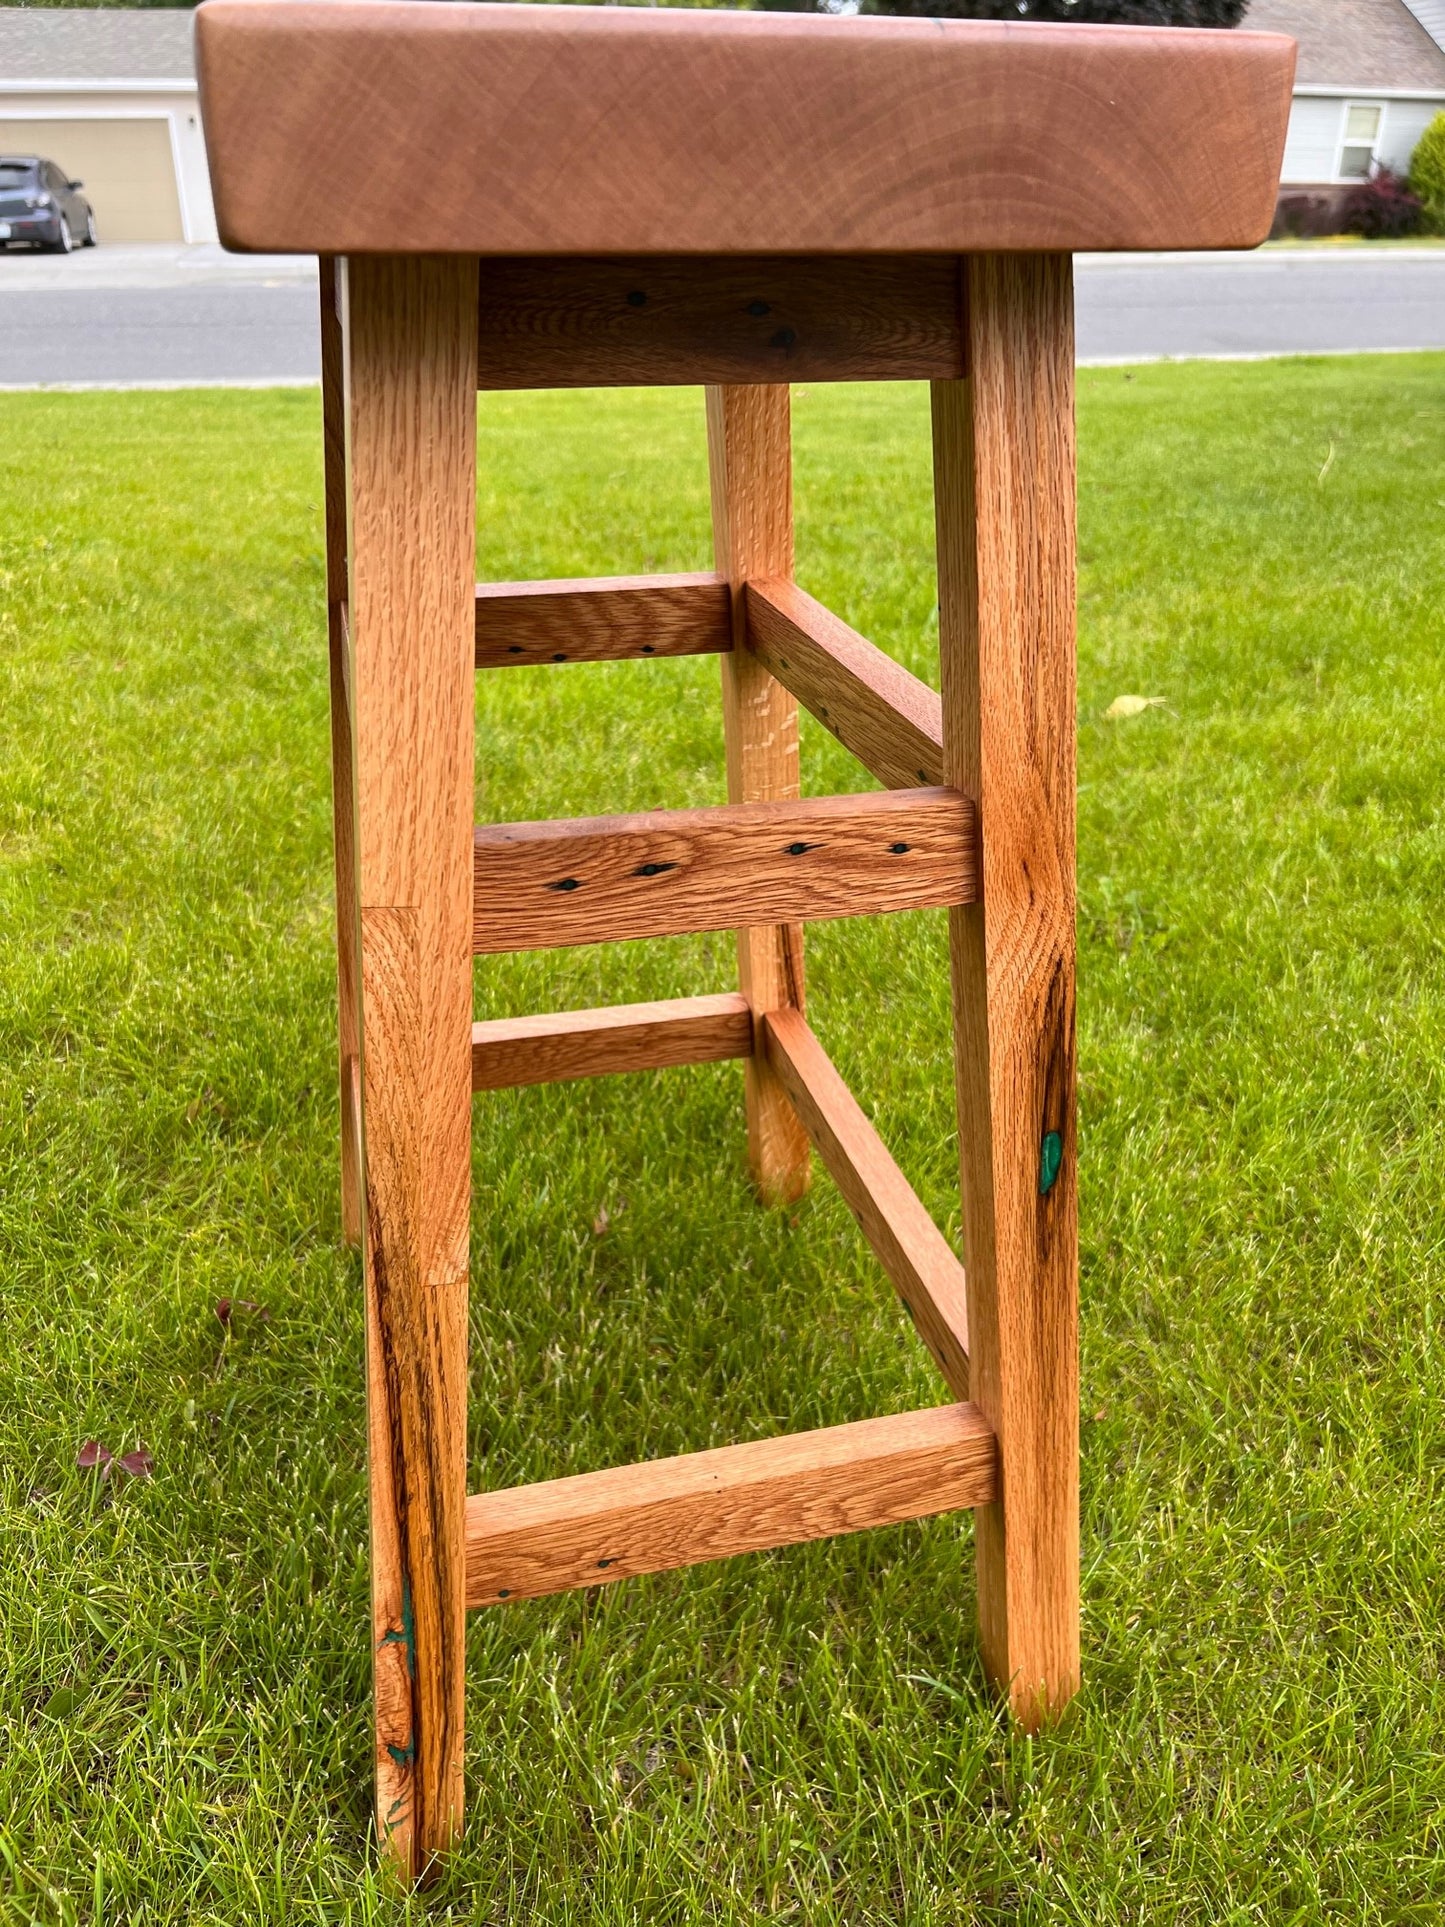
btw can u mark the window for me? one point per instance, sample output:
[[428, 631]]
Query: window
[[1362, 137]]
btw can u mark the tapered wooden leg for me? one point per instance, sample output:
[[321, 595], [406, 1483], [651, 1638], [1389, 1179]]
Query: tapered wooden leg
[[1004, 486], [343, 766], [410, 410], [750, 465]]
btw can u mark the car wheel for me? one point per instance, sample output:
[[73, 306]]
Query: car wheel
[[91, 237], [67, 240]]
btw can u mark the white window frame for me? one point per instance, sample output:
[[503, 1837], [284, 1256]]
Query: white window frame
[[1382, 108]]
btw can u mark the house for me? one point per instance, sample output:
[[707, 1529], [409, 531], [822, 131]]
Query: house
[[110, 96], [1371, 77]]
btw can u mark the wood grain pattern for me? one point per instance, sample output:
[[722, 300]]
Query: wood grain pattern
[[550, 1049], [410, 340], [750, 476], [682, 132], [603, 1526], [912, 1250], [670, 873], [602, 619], [892, 722], [1004, 469], [343, 760], [569, 323]]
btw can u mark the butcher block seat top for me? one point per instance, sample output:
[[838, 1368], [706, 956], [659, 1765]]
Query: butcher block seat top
[[435, 126]]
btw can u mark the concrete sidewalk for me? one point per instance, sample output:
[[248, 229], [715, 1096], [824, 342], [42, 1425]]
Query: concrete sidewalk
[[143, 266], [173, 265]]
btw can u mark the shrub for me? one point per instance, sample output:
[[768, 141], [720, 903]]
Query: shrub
[[1303, 216], [1427, 171], [1382, 209]]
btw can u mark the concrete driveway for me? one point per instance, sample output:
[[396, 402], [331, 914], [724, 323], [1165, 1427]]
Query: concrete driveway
[[175, 317]]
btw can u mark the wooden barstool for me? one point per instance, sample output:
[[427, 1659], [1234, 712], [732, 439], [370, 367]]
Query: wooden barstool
[[533, 197]]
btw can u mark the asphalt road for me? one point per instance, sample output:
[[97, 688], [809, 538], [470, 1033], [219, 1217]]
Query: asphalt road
[[177, 316], [1280, 301]]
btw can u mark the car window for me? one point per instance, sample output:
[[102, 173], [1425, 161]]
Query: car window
[[54, 179], [16, 173]]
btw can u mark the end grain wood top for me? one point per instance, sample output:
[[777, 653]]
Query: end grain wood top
[[437, 126]]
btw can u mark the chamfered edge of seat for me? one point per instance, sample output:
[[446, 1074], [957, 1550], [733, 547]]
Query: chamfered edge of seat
[[425, 126]]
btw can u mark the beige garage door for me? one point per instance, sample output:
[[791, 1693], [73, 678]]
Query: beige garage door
[[129, 175]]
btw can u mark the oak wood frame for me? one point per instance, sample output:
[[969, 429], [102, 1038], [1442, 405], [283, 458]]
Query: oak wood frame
[[559, 1046], [750, 477], [588, 1530], [978, 804], [604, 619], [1003, 451], [403, 735], [917, 1258], [674, 873], [579, 323]]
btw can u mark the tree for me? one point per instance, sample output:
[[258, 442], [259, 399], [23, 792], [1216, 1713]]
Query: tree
[[1134, 13], [1148, 13], [1427, 171]]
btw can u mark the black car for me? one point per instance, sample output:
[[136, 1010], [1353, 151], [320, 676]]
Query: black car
[[41, 206]]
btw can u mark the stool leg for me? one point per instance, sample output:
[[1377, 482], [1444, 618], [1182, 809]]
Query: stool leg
[[751, 471], [1004, 493], [343, 767], [411, 343]]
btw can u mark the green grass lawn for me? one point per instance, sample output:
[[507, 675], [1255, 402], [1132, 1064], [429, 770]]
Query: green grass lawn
[[804, 1735]]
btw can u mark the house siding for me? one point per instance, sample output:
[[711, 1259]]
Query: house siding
[[1431, 15], [1405, 122], [1316, 124], [1310, 145]]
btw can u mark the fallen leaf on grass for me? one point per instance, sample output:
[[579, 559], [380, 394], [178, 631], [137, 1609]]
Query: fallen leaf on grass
[[95, 1457], [1132, 706], [600, 1223], [225, 1307]]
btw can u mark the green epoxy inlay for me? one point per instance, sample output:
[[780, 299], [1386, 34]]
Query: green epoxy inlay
[[405, 1635], [408, 1628], [1051, 1156], [402, 1755]]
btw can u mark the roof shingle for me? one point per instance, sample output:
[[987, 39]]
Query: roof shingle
[[95, 43], [1354, 43], [1346, 43]]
